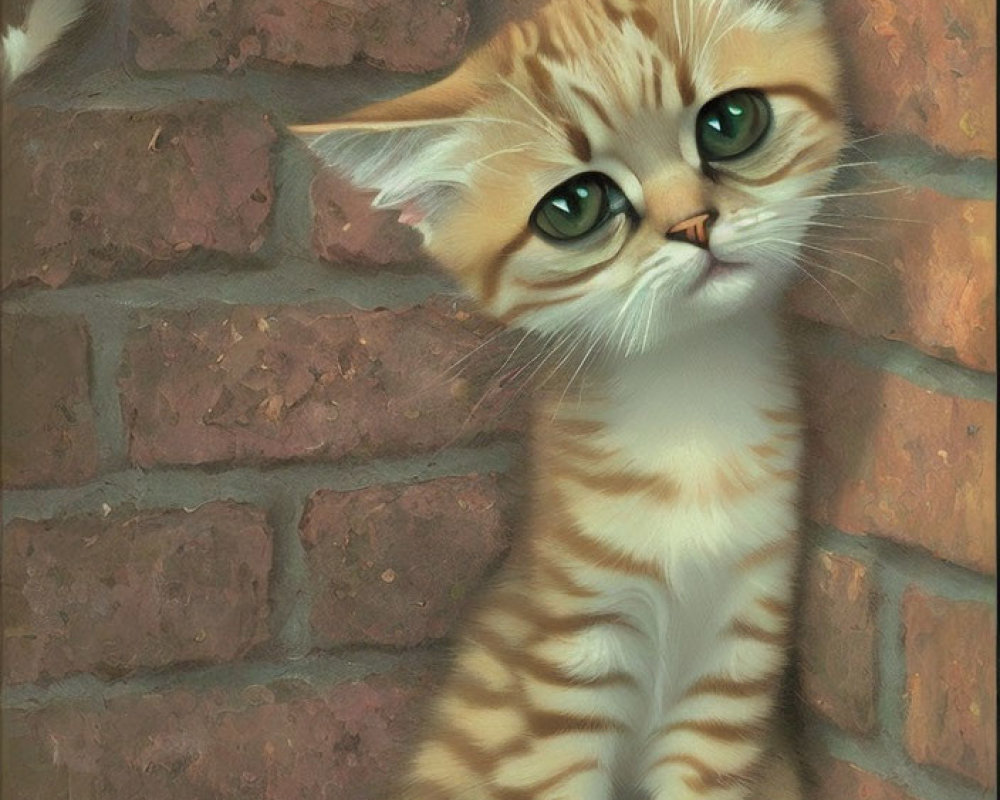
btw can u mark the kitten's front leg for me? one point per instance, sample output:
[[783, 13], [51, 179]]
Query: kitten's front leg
[[722, 770], [774, 774], [452, 764], [515, 721], [716, 743]]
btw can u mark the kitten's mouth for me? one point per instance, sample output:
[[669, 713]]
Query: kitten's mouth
[[714, 269]]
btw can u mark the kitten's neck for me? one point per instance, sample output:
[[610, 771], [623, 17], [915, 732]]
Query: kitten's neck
[[712, 387]]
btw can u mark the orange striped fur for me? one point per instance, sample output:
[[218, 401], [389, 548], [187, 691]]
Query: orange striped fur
[[634, 644]]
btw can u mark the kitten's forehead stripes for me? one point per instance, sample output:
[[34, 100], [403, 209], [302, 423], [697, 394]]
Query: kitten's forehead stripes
[[579, 142], [554, 40], [596, 106]]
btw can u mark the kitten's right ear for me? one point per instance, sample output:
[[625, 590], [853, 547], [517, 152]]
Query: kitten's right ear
[[407, 149]]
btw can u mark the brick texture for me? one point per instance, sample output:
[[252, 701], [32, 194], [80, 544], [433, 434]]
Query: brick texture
[[951, 685], [891, 459], [839, 780], [395, 565], [347, 230], [238, 384], [929, 280], [113, 594], [49, 437], [288, 739], [399, 35], [926, 67], [839, 640], [102, 194]]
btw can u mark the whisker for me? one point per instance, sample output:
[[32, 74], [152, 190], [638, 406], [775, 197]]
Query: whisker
[[576, 372], [834, 252], [834, 195], [830, 294], [871, 217], [826, 268]]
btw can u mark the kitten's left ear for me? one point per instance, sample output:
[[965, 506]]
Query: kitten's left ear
[[407, 149]]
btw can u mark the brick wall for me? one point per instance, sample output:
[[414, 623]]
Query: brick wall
[[251, 477]]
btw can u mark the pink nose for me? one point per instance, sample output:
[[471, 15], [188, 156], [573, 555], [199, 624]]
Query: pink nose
[[693, 229]]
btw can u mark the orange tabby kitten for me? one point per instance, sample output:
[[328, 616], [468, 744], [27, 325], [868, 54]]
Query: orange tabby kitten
[[632, 179]]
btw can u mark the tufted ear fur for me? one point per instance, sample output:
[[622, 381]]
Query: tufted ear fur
[[408, 149]]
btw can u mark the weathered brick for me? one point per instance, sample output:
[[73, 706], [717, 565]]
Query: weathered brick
[[839, 662], [133, 589], [928, 279], [49, 436], [840, 780], [891, 459], [287, 739], [347, 229], [396, 565], [398, 35], [101, 194], [240, 384], [923, 66], [951, 685]]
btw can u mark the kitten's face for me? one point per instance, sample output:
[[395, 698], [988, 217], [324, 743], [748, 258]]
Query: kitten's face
[[628, 169]]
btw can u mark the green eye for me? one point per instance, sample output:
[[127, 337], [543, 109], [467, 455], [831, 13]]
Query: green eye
[[575, 208], [732, 124]]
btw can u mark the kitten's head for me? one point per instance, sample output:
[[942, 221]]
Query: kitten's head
[[631, 169]]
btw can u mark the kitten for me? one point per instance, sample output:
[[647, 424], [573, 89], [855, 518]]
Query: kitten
[[631, 179]]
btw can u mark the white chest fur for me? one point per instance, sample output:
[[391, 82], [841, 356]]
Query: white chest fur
[[713, 418]]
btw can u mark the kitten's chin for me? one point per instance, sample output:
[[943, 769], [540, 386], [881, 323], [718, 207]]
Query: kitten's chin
[[723, 285]]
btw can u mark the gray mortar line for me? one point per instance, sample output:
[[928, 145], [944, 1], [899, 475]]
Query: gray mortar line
[[899, 358], [910, 160], [290, 592], [872, 755], [296, 94], [107, 343], [293, 282], [320, 670], [189, 487], [910, 563], [890, 654]]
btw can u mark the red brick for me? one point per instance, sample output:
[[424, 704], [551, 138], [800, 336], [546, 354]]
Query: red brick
[[49, 437], [839, 780], [240, 384], [951, 683], [839, 665], [133, 589], [399, 35], [891, 459], [347, 229], [395, 565], [926, 67], [284, 740], [929, 279], [103, 194]]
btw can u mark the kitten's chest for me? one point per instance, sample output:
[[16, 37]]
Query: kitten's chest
[[693, 499]]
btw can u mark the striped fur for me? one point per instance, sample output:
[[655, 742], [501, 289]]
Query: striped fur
[[634, 644]]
